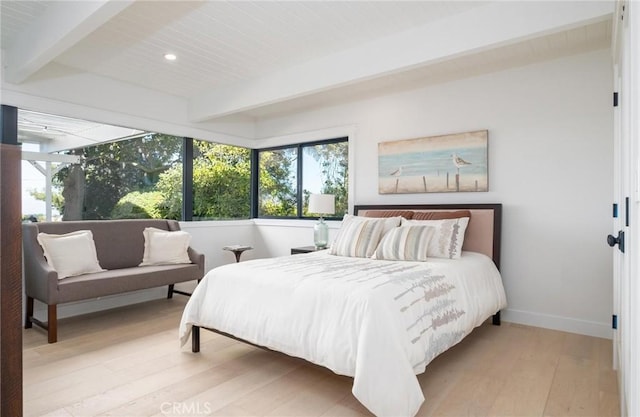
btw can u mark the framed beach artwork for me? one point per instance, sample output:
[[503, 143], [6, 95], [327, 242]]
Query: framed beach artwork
[[436, 164]]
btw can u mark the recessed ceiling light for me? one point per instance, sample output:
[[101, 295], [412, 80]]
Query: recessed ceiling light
[[170, 57]]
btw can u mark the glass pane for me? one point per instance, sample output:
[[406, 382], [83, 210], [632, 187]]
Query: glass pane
[[277, 182], [134, 178], [34, 188], [325, 171], [221, 181]]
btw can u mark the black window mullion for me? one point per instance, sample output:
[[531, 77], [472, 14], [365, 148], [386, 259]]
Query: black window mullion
[[255, 172], [187, 179], [299, 183]]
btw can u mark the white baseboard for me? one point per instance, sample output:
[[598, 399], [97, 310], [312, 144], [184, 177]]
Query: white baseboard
[[565, 324]]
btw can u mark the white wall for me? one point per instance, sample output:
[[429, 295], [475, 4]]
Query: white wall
[[550, 165], [277, 237]]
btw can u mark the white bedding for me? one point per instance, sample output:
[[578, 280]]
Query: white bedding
[[380, 322]]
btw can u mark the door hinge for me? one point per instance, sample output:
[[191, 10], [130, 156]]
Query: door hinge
[[614, 322], [615, 99]]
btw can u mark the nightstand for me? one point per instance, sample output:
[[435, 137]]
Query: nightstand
[[304, 249]]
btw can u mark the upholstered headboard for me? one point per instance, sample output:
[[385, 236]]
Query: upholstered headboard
[[483, 231]]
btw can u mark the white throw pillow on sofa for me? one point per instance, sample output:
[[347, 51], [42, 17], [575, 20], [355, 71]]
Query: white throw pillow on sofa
[[70, 254], [162, 247]]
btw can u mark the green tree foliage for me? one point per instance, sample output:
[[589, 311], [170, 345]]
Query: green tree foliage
[[57, 201], [334, 162], [112, 170], [221, 182], [142, 177], [137, 205], [170, 186], [278, 190]]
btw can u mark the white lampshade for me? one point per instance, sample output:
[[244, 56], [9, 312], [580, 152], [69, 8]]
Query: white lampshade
[[322, 203]]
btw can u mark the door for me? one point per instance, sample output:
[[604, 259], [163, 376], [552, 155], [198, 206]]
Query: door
[[626, 339]]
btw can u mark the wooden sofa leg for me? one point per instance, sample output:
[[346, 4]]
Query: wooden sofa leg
[[52, 325], [28, 313], [170, 292]]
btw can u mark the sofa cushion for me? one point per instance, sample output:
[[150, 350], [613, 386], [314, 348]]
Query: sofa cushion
[[70, 254], [123, 280], [162, 247]]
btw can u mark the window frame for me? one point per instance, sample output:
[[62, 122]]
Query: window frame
[[187, 159], [255, 180], [189, 192]]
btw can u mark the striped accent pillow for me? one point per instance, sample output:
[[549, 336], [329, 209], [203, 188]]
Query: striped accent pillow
[[408, 243], [449, 236], [359, 236]]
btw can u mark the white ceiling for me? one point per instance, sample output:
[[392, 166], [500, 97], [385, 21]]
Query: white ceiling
[[258, 59], [219, 43]]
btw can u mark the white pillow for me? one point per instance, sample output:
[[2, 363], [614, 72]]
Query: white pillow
[[70, 254], [359, 236], [449, 236], [409, 243], [164, 247]]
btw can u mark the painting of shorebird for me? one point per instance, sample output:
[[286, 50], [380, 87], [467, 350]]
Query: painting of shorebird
[[436, 164]]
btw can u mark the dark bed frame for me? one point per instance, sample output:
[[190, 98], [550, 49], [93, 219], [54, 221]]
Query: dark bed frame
[[497, 230]]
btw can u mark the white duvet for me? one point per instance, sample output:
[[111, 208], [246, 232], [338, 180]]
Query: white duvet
[[380, 322]]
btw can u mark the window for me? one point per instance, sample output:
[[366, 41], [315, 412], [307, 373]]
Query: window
[[34, 188], [154, 175], [134, 178], [221, 181], [288, 175], [143, 178], [278, 188]]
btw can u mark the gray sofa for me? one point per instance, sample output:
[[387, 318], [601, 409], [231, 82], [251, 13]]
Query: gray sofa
[[120, 248]]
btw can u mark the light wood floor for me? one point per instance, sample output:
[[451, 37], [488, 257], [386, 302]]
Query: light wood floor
[[127, 362]]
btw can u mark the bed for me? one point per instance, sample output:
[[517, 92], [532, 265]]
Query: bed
[[378, 317]]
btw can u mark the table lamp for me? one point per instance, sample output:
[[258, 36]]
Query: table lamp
[[321, 204]]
